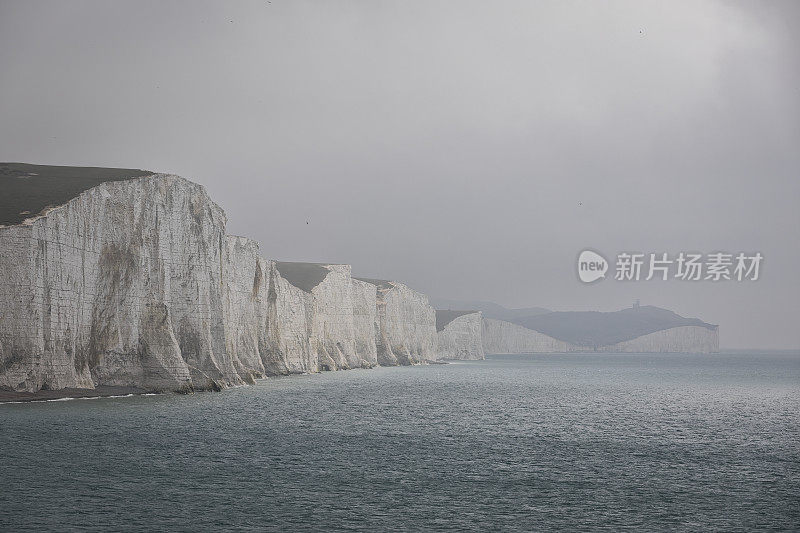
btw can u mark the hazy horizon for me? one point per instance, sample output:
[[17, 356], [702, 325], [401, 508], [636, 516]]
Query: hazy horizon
[[470, 150]]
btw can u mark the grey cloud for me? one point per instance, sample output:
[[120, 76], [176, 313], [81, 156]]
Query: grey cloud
[[471, 149]]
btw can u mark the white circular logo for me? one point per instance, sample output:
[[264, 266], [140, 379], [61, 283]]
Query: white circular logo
[[591, 266]]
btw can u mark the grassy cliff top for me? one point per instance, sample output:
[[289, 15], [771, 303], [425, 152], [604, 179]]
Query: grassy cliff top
[[380, 283], [29, 189], [594, 328], [445, 316], [304, 276], [489, 309]]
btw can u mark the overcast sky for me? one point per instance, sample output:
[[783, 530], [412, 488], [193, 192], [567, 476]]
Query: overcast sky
[[470, 149]]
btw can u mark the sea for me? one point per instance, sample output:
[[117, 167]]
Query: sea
[[544, 442]]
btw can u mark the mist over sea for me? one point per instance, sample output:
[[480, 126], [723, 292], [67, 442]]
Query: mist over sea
[[531, 442]]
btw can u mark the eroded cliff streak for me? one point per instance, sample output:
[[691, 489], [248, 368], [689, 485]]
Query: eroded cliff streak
[[365, 322], [337, 328], [406, 324], [245, 307], [332, 328], [287, 348]]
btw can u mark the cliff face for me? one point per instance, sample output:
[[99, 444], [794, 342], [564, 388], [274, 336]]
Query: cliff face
[[406, 325], [683, 339], [459, 337], [122, 285], [499, 336], [504, 337], [365, 322], [595, 329], [245, 306], [340, 314], [287, 346], [333, 331]]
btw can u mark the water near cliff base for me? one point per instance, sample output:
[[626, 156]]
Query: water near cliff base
[[640, 442]]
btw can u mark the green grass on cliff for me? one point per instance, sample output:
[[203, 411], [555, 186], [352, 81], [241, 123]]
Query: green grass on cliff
[[380, 283], [29, 189], [489, 309], [304, 276], [445, 316]]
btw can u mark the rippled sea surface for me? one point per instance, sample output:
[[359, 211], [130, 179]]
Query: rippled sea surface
[[533, 442]]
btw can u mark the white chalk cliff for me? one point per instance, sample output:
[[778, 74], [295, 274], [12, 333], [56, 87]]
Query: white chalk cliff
[[135, 283], [501, 337], [458, 334], [406, 324], [121, 285], [682, 339]]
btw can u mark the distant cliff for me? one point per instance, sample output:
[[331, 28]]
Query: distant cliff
[[593, 329], [686, 339], [406, 326], [499, 336], [126, 278], [459, 334], [638, 329]]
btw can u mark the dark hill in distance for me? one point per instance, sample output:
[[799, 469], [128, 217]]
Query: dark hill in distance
[[28, 189], [594, 328], [489, 309]]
